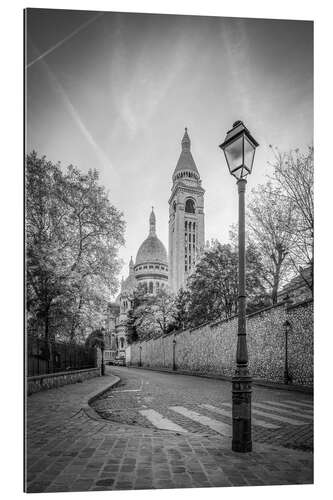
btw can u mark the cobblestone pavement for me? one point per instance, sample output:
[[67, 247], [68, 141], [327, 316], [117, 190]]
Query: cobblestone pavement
[[285, 418], [67, 449]]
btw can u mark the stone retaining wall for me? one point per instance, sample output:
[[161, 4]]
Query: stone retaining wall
[[211, 348], [51, 380]]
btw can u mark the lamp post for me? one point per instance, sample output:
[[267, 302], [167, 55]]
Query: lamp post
[[140, 362], [239, 148], [102, 362], [174, 353], [287, 378]]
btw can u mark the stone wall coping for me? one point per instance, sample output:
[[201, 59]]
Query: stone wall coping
[[303, 303], [220, 321], [60, 374]]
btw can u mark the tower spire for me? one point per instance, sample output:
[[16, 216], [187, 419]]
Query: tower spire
[[152, 223], [186, 141], [131, 266]]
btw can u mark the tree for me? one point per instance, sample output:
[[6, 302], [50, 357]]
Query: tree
[[131, 334], [154, 314], [96, 339], [181, 304], [46, 261], [73, 234], [293, 174], [213, 287], [269, 218]]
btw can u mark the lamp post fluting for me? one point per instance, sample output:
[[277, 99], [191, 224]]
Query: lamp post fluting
[[239, 148]]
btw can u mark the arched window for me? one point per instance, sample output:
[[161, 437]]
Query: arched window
[[151, 287], [174, 206], [121, 343], [189, 206]]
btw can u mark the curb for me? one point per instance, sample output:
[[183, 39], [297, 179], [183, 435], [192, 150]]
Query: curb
[[87, 409], [263, 383]]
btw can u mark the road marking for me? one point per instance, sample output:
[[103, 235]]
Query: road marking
[[298, 403], [228, 413], [127, 390], [215, 425], [308, 411], [279, 418], [292, 413], [161, 422]]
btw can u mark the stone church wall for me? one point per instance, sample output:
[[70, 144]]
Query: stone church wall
[[211, 348]]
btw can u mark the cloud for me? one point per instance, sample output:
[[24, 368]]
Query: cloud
[[235, 43], [147, 82], [61, 42], [56, 85]]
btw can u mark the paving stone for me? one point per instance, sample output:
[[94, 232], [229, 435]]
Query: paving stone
[[69, 451]]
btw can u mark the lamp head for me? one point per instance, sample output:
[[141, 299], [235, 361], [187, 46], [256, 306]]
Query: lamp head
[[239, 147]]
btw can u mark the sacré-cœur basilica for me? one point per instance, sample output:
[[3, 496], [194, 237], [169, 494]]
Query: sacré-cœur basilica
[[153, 268]]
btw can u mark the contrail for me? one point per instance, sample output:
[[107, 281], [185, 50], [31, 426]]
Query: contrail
[[51, 49], [104, 160]]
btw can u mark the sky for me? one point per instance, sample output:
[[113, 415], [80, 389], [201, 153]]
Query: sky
[[114, 91]]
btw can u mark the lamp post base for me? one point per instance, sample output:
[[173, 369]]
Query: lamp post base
[[287, 378], [241, 413]]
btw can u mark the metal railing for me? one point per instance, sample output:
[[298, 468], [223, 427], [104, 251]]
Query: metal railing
[[44, 357]]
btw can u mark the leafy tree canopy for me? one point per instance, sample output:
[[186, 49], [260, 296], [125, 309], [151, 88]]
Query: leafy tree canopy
[[213, 287], [153, 315], [73, 234]]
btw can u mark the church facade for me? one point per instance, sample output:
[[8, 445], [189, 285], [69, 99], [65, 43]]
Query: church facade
[[153, 268]]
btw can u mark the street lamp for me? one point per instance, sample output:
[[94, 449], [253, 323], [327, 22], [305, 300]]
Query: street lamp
[[140, 362], [239, 148], [287, 378], [174, 353]]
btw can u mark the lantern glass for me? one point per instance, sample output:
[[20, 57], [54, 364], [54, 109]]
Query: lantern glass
[[239, 147], [249, 150], [234, 156]]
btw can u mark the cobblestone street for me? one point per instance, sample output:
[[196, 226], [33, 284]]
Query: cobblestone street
[[143, 393], [71, 448]]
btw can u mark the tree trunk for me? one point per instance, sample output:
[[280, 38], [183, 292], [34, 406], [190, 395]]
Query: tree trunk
[[74, 321], [276, 279]]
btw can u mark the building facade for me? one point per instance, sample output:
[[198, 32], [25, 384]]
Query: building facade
[[149, 271], [186, 218], [151, 264]]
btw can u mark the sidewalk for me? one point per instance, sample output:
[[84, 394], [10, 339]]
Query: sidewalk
[[70, 448]]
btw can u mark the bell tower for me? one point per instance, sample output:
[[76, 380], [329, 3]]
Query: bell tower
[[186, 218]]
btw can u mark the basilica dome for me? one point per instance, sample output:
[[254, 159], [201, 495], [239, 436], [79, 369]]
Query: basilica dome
[[151, 264], [151, 250]]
